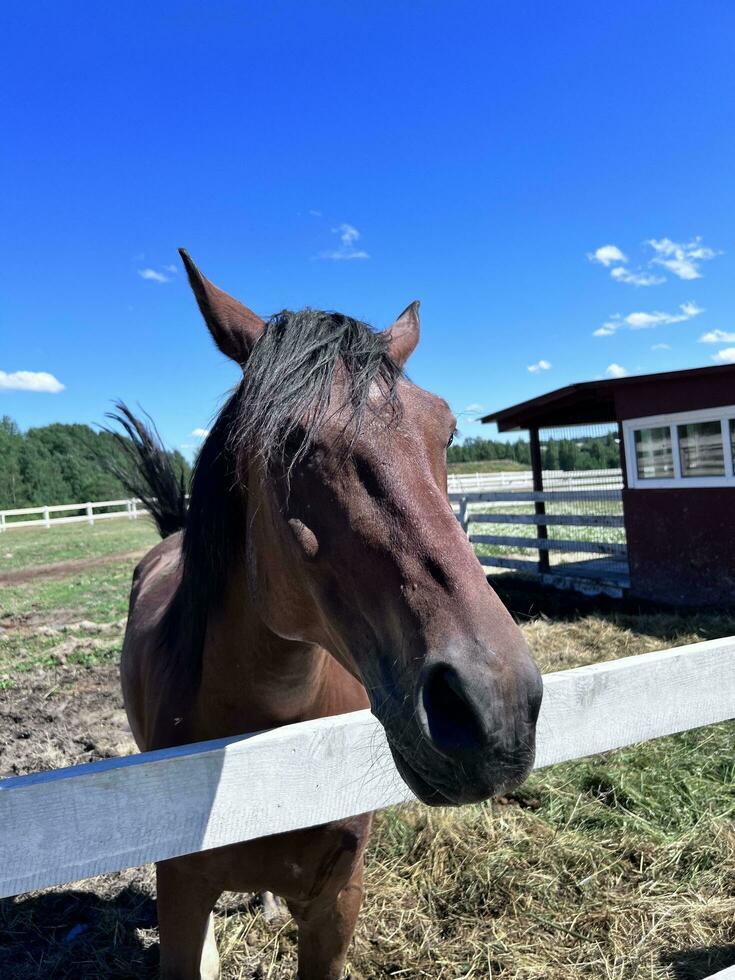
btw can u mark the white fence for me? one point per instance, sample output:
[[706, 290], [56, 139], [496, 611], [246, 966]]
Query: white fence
[[87, 513], [100, 510], [523, 480], [67, 824], [592, 560]]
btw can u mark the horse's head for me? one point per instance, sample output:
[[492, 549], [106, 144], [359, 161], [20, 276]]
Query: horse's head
[[352, 543]]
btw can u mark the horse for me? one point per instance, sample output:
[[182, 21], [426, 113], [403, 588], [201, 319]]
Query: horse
[[318, 570]]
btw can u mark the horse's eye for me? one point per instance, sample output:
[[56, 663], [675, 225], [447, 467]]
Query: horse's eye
[[293, 445], [451, 438]]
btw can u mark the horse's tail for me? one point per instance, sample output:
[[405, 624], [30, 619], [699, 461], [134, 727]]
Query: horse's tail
[[148, 472]]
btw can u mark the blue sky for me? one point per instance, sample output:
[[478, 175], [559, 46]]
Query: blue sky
[[356, 157]]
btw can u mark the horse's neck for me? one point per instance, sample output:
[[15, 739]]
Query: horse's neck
[[253, 679]]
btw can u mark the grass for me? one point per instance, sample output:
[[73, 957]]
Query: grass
[[488, 466], [620, 866], [28, 547], [77, 619]]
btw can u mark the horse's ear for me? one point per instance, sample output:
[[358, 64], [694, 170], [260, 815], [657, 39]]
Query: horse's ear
[[403, 336], [233, 326]]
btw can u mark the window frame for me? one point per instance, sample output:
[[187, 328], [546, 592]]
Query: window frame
[[673, 420]]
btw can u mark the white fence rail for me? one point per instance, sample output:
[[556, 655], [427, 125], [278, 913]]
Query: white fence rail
[[88, 513], [67, 824], [99, 510], [523, 479], [592, 560]]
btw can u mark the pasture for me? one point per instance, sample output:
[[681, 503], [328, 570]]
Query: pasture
[[621, 866]]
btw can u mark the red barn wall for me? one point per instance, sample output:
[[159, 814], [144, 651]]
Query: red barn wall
[[681, 395], [681, 543]]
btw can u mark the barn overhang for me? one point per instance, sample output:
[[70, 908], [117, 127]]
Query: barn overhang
[[613, 399]]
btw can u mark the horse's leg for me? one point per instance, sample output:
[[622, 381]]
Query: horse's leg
[[185, 923], [325, 931]]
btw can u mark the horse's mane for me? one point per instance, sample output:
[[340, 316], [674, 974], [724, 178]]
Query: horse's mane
[[272, 416]]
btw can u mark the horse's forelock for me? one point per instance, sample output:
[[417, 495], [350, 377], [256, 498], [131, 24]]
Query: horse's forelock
[[289, 377]]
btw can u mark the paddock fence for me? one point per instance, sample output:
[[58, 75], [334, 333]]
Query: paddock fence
[[57, 827], [87, 513], [90, 512], [523, 480], [571, 538]]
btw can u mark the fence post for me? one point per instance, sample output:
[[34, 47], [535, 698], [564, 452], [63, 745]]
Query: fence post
[[463, 515], [539, 506], [134, 503], [2, 521], [90, 514], [46, 518], [129, 508]]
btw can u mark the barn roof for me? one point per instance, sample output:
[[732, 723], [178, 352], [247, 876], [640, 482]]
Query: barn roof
[[593, 401]]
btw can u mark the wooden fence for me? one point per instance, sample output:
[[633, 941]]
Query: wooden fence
[[585, 509], [99, 510], [87, 513], [523, 480], [59, 826]]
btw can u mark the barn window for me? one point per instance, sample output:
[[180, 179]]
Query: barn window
[[701, 449], [653, 453], [686, 449]]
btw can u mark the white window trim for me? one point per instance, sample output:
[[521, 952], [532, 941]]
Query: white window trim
[[672, 420]]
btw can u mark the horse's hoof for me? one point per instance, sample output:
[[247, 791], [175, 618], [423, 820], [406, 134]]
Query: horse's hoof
[[275, 912]]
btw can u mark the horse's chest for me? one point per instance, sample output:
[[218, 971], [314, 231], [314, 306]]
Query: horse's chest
[[300, 866]]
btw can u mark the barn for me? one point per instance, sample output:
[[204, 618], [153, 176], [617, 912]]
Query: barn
[[676, 434]]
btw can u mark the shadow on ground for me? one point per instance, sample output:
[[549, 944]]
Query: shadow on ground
[[698, 964], [527, 599], [79, 935]]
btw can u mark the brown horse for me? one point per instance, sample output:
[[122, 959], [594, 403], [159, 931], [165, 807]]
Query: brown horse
[[321, 570]]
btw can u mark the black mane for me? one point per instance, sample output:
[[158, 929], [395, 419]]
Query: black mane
[[278, 406]]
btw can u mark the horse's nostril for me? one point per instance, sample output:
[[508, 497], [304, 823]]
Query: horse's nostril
[[452, 721]]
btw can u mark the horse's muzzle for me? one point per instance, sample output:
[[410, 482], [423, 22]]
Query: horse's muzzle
[[476, 730]]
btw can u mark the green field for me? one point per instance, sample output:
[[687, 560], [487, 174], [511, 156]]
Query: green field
[[619, 866], [488, 466], [26, 547]]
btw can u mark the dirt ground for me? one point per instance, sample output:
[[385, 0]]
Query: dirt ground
[[61, 568], [64, 717]]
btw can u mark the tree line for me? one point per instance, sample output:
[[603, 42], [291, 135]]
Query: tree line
[[69, 464], [586, 453], [61, 464]]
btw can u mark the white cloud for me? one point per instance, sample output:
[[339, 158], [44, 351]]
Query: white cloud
[[681, 258], [645, 321], [661, 347], [199, 433], [541, 365], [348, 248], [607, 329], [473, 408], [153, 276], [717, 337], [606, 255], [616, 371], [724, 356], [30, 381], [621, 274]]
